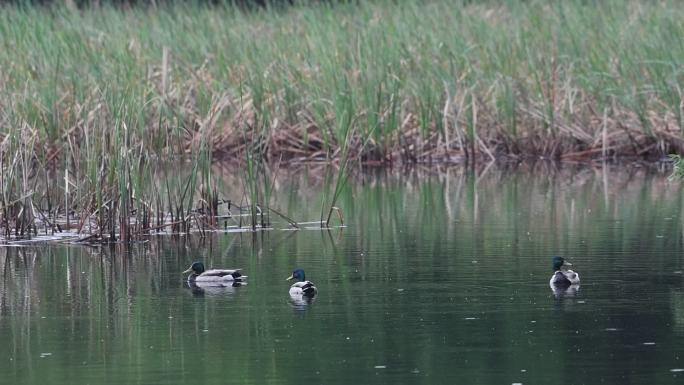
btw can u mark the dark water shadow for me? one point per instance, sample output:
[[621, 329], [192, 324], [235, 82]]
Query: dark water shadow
[[201, 289]]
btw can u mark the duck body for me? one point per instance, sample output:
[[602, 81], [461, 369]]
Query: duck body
[[565, 278], [565, 291], [562, 277], [305, 288], [302, 287], [222, 277], [216, 275]]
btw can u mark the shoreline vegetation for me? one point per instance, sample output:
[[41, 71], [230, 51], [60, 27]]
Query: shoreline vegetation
[[399, 81], [93, 101]]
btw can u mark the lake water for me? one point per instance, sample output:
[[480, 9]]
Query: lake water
[[440, 277]]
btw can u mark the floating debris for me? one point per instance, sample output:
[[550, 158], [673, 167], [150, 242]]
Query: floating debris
[[380, 367]]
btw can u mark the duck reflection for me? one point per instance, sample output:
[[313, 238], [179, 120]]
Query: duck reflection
[[300, 303], [201, 289], [564, 291]]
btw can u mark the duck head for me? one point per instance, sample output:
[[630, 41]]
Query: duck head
[[196, 267], [297, 274], [558, 262]]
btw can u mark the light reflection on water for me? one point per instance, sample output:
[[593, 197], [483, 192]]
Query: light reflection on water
[[439, 278]]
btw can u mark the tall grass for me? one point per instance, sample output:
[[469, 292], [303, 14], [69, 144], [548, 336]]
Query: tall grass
[[435, 80], [109, 93]]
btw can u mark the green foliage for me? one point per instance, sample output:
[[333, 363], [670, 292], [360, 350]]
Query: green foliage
[[109, 92], [678, 167], [416, 78]]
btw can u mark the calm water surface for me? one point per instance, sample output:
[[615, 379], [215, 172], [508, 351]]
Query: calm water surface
[[440, 277]]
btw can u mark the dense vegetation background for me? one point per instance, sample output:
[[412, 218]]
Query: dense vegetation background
[[108, 93], [143, 3]]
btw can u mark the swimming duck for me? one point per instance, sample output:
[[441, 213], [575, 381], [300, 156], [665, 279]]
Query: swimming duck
[[217, 276], [563, 277], [302, 286]]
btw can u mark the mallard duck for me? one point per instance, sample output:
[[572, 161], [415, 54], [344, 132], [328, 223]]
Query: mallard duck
[[563, 277], [218, 276], [302, 286]]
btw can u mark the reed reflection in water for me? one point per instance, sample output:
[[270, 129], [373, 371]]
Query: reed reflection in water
[[439, 274]]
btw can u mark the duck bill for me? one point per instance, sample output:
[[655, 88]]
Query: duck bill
[[566, 263], [187, 271], [289, 278]]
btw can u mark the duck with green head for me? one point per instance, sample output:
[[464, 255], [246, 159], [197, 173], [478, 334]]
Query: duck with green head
[[562, 277], [301, 287], [214, 276]]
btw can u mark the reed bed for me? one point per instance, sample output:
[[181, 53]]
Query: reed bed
[[107, 93], [412, 81]]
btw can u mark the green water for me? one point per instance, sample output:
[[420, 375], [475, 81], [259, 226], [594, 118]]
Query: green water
[[440, 277]]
